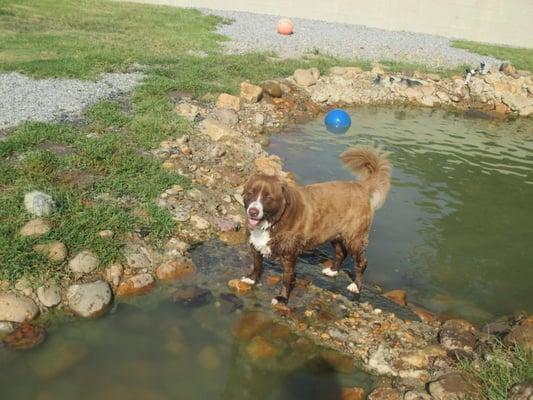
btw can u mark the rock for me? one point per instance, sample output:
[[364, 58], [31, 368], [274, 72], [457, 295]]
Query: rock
[[113, 273], [136, 285], [521, 391], [106, 234], [35, 227], [258, 121], [522, 335], [521, 104], [89, 300], [57, 357], [83, 263], [273, 89], [498, 328], [208, 358], [187, 110], [49, 295], [239, 286], [25, 336], [199, 222], [457, 336], [137, 257], [398, 296], [172, 270], [216, 130], [413, 395], [233, 238], [268, 165], [338, 361], [178, 245], [251, 324], [56, 252], [423, 314], [39, 203], [385, 393], [452, 386], [251, 93], [6, 327], [228, 101], [260, 348], [507, 68], [352, 393], [306, 77], [16, 308], [230, 303], [226, 116], [192, 296]]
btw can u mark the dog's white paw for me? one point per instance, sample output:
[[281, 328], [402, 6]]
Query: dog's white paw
[[247, 280], [274, 301], [352, 287], [330, 272]]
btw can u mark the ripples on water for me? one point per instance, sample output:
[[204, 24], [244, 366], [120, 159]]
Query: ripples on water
[[456, 228]]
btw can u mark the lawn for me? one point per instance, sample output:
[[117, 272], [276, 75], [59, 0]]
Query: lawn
[[521, 58]]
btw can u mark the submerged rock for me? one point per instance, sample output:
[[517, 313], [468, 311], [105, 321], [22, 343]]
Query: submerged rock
[[192, 296], [173, 270], [57, 357], [25, 336], [89, 300], [398, 296], [251, 324], [208, 358], [260, 348], [17, 308], [355, 393]]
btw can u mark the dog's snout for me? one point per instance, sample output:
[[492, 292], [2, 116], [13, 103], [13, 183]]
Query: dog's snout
[[253, 212]]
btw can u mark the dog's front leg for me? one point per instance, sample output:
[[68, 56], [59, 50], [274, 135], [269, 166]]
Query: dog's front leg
[[289, 276], [257, 268]]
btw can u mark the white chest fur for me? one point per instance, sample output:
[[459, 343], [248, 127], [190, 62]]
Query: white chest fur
[[259, 238]]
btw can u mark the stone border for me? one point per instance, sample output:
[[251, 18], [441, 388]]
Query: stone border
[[226, 147]]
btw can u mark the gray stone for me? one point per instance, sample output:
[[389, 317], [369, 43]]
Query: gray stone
[[137, 257], [83, 263], [49, 295], [521, 391], [39, 203], [17, 308], [452, 386], [89, 300]]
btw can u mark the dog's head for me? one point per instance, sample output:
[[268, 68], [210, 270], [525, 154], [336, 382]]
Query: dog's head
[[265, 199]]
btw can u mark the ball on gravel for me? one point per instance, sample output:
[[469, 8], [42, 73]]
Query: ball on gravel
[[337, 121], [285, 26]]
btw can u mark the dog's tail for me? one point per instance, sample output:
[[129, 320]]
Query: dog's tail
[[374, 168]]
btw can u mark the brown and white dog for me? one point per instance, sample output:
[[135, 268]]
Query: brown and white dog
[[285, 219]]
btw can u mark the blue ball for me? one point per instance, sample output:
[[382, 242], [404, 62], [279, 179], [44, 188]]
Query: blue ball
[[337, 121]]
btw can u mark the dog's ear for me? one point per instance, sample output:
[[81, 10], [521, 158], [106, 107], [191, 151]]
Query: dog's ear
[[286, 192]]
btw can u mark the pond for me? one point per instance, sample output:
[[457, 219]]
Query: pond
[[456, 229], [190, 340]]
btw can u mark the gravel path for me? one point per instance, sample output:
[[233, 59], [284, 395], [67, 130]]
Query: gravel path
[[257, 32], [26, 99]]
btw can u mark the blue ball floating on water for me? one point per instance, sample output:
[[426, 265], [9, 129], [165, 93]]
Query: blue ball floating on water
[[337, 121]]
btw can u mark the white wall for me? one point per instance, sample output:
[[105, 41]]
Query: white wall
[[507, 22]]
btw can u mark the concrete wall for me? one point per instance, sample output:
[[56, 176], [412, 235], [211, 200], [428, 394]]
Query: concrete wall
[[507, 22]]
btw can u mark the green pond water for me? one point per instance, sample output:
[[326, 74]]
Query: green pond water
[[457, 229]]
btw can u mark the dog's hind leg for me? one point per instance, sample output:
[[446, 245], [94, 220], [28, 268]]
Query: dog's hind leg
[[360, 264], [340, 255]]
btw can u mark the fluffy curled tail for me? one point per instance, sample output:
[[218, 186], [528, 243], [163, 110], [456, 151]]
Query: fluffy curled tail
[[373, 167]]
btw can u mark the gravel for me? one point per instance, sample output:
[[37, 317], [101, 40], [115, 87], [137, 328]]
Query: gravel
[[26, 99], [257, 32]]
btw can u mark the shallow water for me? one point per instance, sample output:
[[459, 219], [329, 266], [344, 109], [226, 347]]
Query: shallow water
[[150, 348], [456, 230]]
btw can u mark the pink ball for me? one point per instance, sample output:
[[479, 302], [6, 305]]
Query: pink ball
[[285, 26]]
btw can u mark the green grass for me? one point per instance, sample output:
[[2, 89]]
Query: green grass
[[503, 368], [521, 58]]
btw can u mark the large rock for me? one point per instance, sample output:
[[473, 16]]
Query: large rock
[[306, 77], [251, 93], [173, 270], [522, 334], [520, 103], [25, 336], [251, 324], [16, 308], [458, 337], [272, 88], [136, 285], [226, 116], [216, 130], [384, 393], [49, 295], [39, 203], [228, 101], [56, 252], [521, 391], [35, 227], [84, 262], [89, 300], [453, 386]]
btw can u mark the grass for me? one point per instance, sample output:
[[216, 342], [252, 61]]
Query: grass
[[82, 39], [521, 58], [501, 369]]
